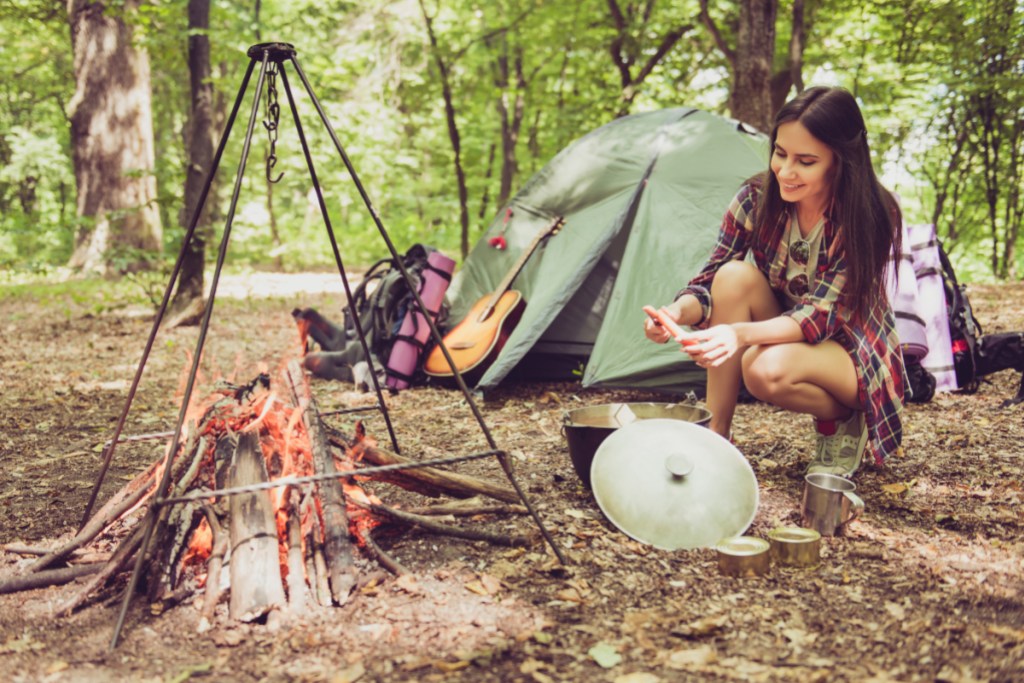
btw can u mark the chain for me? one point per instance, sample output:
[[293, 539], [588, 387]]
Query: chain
[[270, 121]]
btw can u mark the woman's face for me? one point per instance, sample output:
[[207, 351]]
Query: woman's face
[[802, 164]]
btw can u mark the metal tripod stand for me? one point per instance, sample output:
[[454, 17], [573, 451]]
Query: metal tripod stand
[[272, 58]]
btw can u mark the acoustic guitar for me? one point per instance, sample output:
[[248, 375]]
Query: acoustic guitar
[[476, 341]]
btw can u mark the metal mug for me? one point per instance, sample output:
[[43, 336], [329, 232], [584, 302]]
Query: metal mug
[[829, 503]]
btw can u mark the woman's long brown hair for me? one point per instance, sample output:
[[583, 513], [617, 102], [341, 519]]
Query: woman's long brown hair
[[867, 214]]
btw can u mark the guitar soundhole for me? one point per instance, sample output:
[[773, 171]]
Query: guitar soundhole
[[461, 346]]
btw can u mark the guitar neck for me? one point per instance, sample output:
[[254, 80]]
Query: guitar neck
[[510, 277]]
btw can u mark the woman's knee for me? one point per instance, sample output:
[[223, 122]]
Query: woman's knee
[[734, 277], [767, 371], [741, 292]]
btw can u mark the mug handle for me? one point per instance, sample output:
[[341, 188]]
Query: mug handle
[[857, 506]]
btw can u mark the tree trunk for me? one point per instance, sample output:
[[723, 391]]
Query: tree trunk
[[111, 140], [791, 75], [750, 100], [453, 131], [750, 97], [511, 117], [200, 157]]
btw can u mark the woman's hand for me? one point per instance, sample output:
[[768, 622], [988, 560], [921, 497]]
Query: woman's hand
[[657, 332], [713, 346]]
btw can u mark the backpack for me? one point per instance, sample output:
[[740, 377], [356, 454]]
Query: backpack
[[920, 383], [380, 302], [964, 328]]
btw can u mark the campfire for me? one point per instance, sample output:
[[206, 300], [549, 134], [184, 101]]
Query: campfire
[[268, 507]]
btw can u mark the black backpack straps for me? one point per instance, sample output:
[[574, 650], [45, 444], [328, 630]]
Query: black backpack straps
[[962, 303], [964, 328]]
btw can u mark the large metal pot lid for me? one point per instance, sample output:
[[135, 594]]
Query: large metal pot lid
[[674, 484]]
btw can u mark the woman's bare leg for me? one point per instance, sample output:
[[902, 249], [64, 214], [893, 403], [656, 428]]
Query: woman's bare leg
[[739, 293], [818, 379]]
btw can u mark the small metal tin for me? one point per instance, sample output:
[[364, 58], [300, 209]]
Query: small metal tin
[[744, 556], [794, 546]]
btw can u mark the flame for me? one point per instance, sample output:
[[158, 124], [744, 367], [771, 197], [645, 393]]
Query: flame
[[201, 545], [287, 452]]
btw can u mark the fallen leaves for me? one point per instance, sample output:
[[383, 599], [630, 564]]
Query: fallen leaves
[[691, 658], [606, 655], [484, 584], [895, 489], [926, 586], [703, 627]]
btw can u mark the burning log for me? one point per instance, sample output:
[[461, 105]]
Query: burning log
[[337, 547], [256, 586]]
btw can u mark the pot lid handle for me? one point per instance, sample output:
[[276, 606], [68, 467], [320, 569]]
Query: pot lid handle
[[678, 465]]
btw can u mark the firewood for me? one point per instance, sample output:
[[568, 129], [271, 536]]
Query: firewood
[[323, 586], [337, 546], [122, 556], [432, 525], [164, 563], [211, 596], [176, 524], [47, 578], [468, 507], [315, 562], [430, 481], [382, 557], [298, 593], [100, 521], [256, 586]]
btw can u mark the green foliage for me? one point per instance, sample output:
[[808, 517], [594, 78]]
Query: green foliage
[[928, 75]]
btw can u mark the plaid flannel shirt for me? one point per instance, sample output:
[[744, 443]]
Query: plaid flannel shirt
[[873, 344]]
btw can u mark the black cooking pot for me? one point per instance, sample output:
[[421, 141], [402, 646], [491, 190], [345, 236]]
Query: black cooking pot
[[586, 428]]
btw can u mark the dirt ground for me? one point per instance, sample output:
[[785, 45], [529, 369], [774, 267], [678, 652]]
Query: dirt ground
[[926, 586]]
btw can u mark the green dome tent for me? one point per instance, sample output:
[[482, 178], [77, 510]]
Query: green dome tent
[[642, 198]]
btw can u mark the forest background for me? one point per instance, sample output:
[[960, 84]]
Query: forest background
[[109, 113]]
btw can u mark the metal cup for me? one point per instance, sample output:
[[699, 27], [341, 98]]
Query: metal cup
[[829, 503]]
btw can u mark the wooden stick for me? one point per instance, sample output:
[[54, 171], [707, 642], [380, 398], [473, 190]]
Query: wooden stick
[[49, 577], [468, 507], [211, 596], [176, 525], [98, 523], [33, 550], [298, 593], [315, 549], [124, 553], [428, 524], [337, 546], [382, 557], [430, 481]]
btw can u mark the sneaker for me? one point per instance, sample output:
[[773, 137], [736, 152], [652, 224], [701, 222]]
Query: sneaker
[[840, 445]]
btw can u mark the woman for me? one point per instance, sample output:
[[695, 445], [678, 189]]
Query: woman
[[792, 298]]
